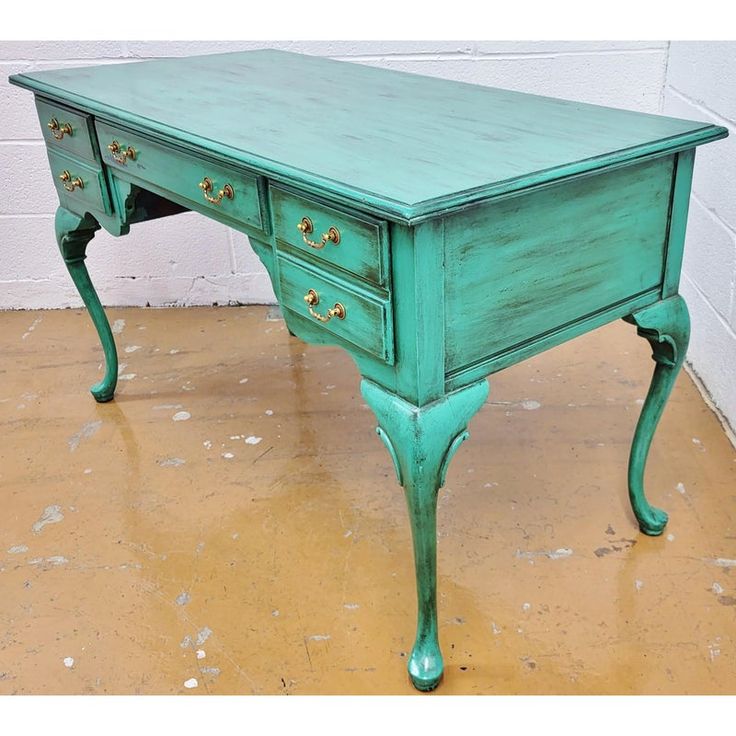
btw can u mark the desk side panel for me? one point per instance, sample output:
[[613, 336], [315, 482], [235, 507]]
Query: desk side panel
[[518, 269]]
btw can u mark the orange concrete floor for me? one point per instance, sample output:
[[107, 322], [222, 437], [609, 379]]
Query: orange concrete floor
[[233, 519]]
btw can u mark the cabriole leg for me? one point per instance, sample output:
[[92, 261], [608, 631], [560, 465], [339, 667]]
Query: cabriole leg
[[422, 441], [73, 233], [666, 325]]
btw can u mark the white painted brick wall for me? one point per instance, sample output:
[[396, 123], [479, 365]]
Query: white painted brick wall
[[188, 259], [701, 77]]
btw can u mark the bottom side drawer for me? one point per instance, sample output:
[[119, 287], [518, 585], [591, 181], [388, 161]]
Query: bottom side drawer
[[80, 183], [367, 321]]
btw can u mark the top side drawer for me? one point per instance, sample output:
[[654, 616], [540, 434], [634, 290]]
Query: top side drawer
[[363, 241], [66, 130]]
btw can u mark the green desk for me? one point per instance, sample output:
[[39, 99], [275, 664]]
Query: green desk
[[437, 231]]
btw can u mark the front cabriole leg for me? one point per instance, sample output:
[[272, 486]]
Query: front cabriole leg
[[666, 325], [73, 233], [422, 441]]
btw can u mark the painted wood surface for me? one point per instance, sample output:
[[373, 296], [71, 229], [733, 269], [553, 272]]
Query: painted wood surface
[[404, 144], [93, 195], [81, 141], [181, 173], [368, 322], [523, 266], [363, 246]]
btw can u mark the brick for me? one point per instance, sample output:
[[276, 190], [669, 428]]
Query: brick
[[26, 186]]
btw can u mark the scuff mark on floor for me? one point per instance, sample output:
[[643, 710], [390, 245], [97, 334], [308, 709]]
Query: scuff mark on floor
[[51, 515], [88, 429], [552, 554]]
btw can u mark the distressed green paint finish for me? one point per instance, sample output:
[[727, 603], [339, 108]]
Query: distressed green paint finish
[[666, 325], [179, 172], [403, 145], [73, 234], [479, 227], [422, 441], [526, 265], [363, 246]]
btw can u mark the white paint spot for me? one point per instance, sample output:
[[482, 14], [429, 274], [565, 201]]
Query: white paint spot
[[201, 654], [68, 662], [84, 433], [186, 642], [670, 537], [351, 606], [87, 471], [638, 584], [495, 629], [214, 671], [228, 455], [57, 560], [168, 406], [252, 440], [208, 444], [243, 380], [492, 484], [188, 387], [681, 488], [275, 613], [723, 562], [50, 515], [18, 549], [191, 683], [530, 405], [132, 348], [171, 462], [526, 606], [174, 351], [235, 535], [203, 635], [181, 416], [347, 533], [33, 326], [127, 376], [696, 441], [236, 436], [183, 598], [715, 648], [552, 554], [319, 637], [118, 326], [269, 412], [716, 588]]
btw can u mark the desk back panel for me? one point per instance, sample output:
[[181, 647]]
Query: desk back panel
[[518, 268]]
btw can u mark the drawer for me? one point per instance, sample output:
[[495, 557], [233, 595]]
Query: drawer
[[82, 184], [233, 193], [362, 248], [367, 323], [71, 132]]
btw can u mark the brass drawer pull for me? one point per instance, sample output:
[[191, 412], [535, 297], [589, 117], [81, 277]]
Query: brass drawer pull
[[305, 227], [207, 186], [59, 131], [312, 300], [71, 184], [121, 155]]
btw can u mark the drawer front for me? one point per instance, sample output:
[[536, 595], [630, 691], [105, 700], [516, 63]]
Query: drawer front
[[363, 242], [182, 173], [65, 130], [68, 173], [367, 323]]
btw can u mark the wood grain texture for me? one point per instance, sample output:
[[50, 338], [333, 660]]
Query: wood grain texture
[[523, 266], [403, 144]]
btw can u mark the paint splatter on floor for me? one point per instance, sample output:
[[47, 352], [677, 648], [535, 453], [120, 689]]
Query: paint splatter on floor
[[51, 515]]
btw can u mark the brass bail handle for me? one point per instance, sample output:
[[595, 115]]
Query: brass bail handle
[[306, 226], [312, 300], [59, 130], [70, 184], [207, 186], [120, 154]]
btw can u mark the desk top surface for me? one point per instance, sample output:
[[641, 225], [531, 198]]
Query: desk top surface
[[402, 144]]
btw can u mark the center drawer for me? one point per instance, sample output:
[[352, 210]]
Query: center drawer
[[212, 188]]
